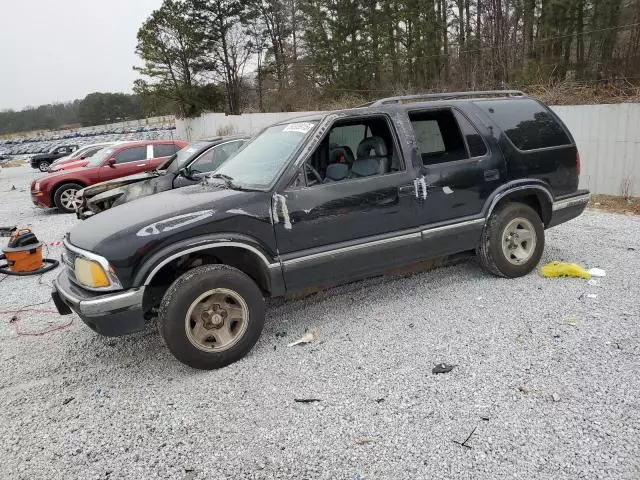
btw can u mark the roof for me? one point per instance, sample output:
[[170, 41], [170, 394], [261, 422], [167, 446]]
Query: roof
[[226, 138]]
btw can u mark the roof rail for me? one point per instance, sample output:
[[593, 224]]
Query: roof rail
[[446, 96]]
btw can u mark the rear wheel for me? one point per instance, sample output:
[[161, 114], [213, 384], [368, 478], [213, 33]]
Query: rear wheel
[[66, 198], [512, 241], [211, 316], [44, 165]]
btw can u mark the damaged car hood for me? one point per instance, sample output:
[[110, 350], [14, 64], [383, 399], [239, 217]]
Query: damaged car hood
[[102, 187], [106, 195]]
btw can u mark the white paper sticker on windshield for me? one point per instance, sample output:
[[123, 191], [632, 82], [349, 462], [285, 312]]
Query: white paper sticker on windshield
[[302, 127]]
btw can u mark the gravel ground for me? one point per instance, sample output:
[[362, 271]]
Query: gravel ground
[[546, 377]]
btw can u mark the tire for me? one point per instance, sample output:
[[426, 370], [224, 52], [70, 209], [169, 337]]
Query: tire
[[44, 166], [505, 230], [223, 340], [62, 199]]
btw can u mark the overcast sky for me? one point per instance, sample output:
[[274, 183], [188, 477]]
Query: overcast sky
[[60, 50]]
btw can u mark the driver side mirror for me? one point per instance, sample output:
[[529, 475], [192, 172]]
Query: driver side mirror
[[112, 162]]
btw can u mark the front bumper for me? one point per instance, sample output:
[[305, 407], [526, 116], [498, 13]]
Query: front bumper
[[569, 207], [112, 314], [40, 200]]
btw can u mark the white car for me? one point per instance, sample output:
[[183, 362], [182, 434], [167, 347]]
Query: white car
[[80, 154]]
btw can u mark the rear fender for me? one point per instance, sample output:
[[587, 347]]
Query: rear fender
[[521, 189]]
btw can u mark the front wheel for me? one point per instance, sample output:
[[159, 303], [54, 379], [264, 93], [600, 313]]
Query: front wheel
[[66, 197], [512, 241], [44, 166], [211, 316]]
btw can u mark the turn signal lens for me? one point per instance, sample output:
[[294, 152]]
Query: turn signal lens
[[91, 273]]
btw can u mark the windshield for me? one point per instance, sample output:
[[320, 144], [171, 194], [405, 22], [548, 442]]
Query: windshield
[[260, 162], [181, 157], [78, 153], [100, 156]]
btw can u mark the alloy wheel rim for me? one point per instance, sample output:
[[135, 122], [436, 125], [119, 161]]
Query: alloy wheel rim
[[216, 320], [69, 199], [519, 241]]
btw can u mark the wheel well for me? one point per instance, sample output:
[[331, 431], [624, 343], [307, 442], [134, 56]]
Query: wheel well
[[55, 189], [237, 257], [535, 199]]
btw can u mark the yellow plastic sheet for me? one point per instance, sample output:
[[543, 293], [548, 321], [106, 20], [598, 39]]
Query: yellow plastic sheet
[[564, 269]]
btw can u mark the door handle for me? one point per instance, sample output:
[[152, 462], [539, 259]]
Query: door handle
[[493, 174]]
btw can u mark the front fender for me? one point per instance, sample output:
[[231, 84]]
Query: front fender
[[157, 260]]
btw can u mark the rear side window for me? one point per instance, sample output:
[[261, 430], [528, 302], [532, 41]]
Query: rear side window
[[165, 150], [475, 142], [134, 154], [528, 124]]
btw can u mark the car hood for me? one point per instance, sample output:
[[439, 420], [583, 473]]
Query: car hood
[[41, 156], [102, 187], [179, 213]]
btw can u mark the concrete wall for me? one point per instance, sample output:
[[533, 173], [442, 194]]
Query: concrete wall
[[608, 138]]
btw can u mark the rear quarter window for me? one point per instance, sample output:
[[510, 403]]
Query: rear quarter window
[[528, 124], [165, 149]]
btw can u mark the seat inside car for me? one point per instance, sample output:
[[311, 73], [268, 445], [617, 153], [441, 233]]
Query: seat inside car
[[336, 172], [372, 159], [340, 161]]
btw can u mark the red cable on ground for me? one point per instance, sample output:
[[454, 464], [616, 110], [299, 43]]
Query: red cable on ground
[[14, 320]]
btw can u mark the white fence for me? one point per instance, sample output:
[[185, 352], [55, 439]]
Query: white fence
[[212, 124], [608, 138]]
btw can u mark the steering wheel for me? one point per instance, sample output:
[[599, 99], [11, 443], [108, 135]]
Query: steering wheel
[[315, 173]]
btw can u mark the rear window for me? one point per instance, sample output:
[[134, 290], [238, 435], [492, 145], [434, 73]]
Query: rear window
[[528, 124]]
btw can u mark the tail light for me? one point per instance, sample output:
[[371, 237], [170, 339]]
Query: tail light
[[578, 162]]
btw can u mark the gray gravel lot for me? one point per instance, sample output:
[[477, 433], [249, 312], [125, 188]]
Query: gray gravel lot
[[77, 405]]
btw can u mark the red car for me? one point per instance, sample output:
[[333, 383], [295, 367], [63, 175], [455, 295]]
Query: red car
[[59, 189]]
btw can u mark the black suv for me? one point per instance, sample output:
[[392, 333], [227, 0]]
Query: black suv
[[42, 161], [321, 200]]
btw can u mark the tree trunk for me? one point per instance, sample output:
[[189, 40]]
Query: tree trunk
[[528, 13], [580, 38], [445, 39]]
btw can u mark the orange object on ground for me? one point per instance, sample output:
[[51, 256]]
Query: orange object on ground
[[23, 254], [24, 251]]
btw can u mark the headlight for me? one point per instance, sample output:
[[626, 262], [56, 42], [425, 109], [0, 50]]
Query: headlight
[[91, 273], [36, 187]]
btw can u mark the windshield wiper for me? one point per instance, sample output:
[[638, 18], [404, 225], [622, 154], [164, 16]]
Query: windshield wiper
[[228, 181], [222, 176]]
